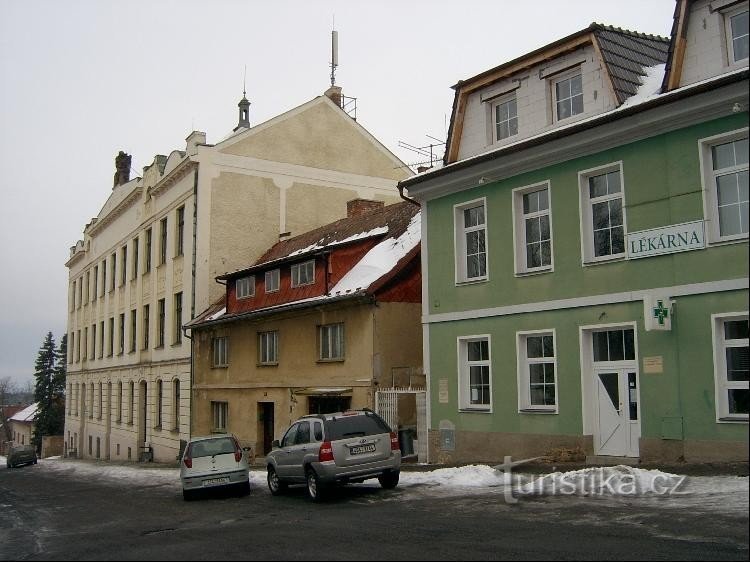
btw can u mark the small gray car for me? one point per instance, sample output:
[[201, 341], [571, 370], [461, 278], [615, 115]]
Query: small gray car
[[328, 449], [21, 454], [214, 461]]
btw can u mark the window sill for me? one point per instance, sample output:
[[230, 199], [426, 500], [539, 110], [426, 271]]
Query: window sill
[[538, 411], [274, 364], [219, 366], [475, 410], [177, 344], [336, 360], [726, 242], [732, 419], [159, 346], [603, 260], [532, 272], [462, 282]]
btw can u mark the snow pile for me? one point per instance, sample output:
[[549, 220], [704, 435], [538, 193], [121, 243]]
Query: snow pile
[[381, 259], [609, 481], [650, 86], [472, 476]]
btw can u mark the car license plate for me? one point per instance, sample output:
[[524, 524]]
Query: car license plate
[[214, 481], [359, 449]]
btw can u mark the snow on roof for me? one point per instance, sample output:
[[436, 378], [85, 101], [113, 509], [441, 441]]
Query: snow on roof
[[215, 315], [26, 415], [381, 259], [322, 243]]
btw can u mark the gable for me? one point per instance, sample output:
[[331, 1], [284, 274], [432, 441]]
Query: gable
[[319, 135]]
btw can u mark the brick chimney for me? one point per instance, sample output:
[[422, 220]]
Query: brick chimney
[[122, 169], [359, 207], [334, 93]]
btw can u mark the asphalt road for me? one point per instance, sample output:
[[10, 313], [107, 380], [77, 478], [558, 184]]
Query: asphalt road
[[62, 514]]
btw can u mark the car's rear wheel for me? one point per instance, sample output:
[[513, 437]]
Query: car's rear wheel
[[276, 486], [389, 480], [315, 489]]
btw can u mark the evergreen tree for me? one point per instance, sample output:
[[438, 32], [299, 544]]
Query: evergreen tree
[[48, 390]]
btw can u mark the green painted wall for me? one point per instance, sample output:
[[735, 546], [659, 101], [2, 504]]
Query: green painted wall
[[662, 187]]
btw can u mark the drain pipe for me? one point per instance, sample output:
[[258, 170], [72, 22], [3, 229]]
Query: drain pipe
[[406, 198]]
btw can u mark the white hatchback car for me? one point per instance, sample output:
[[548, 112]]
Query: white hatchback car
[[214, 461]]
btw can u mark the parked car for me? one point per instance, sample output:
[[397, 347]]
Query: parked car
[[328, 449], [21, 454], [214, 461]]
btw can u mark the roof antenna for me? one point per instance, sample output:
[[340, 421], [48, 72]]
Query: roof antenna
[[334, 51], [244, 82]]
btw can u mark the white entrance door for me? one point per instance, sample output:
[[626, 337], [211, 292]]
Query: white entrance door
[[617, 415]]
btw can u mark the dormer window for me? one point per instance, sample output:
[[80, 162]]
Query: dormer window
[[737, 35], [303, 273], [506, 118], [272, 281], [245, 287], [568, 92]]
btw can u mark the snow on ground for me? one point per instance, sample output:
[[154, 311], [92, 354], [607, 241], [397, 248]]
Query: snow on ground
[[650, 487]]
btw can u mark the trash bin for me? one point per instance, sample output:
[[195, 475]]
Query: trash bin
[[406, 440]]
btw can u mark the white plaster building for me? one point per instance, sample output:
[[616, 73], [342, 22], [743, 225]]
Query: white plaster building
[[147, 263]]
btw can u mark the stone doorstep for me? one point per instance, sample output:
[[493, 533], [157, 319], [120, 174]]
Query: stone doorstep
[[611, 461]]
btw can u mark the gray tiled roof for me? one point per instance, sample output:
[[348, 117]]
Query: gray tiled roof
[[627, 54]]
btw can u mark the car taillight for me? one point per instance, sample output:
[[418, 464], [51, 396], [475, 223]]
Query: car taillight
[[188, 460], [237, 452], [326, 452], [394, 442]]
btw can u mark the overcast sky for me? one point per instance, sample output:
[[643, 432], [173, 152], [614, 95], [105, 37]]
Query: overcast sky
[[81, 80]]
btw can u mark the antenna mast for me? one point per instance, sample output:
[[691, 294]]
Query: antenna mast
[[334, 52]]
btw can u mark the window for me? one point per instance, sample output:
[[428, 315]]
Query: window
[[131, 403], [159, 402], [220, 355], [331, 342], [303, 273], [91, 400], [71, 346], [113, 271], [219, 414], [101, 339], [532, 218], [506, 119], [603, 216], [245, 287], [272, 280], [133, 331], [80, 292], [121, 340], [568, 97], [119, 401], [110, 350], [475, 380], [147, 265], [725, 164], [124, 266], [737, 35], [161, 323], [136, 247], [87, 292], [163, 241], [93, 341], [614, 345], [732, 366], [536, 371], [85, 343], [176, 403], [104, 277], [268, 347], [145, 326], [178, 318], [471, 241], [95, 291], [101, 402], [180, 238]]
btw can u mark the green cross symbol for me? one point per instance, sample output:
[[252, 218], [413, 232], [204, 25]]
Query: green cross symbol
[[660, 312]]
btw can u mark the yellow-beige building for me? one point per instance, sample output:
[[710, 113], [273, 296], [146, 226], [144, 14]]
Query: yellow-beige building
[[148, 261]]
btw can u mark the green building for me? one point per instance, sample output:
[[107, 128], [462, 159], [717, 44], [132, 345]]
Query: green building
[[585, 249]]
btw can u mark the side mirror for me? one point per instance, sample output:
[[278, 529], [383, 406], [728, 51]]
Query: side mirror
[[275, 444]]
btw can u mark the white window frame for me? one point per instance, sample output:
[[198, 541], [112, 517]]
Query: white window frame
[[296, 271], [554, 81], [586, 215], [524, 371], [494, 107], [720, 366], [245, 287], [268, 347], [710, 196], [464, 379], [459, 241], [519, 228], [275, 277], [219, 416], [728, 15], [336, 329], [220, 351]]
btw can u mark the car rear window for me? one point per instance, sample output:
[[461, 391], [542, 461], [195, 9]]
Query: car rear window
[[355, 426], [211, 447]]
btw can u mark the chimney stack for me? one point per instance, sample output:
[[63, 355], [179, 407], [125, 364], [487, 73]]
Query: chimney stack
[[122, 169], [359, 207], [334, 93]]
